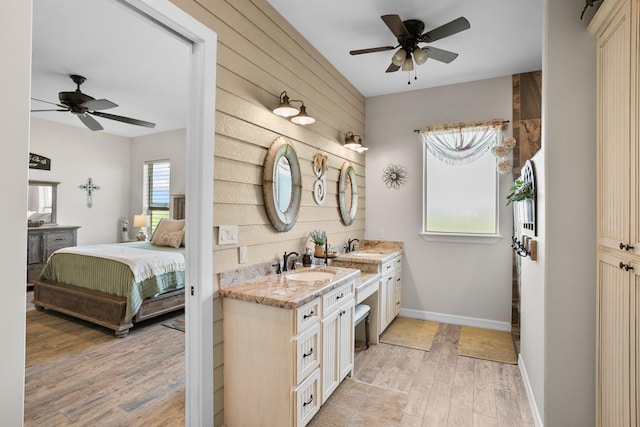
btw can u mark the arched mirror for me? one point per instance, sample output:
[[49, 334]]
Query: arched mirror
[[348, 193], [42, 203], [282, 184]]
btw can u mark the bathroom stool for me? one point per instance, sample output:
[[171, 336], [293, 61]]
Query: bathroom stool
[[362, 312]]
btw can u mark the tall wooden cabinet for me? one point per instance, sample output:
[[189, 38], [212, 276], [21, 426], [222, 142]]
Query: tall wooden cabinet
[[616, 27]]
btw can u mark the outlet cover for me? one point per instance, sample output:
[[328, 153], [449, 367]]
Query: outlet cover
[[227, 234], [243, 254]]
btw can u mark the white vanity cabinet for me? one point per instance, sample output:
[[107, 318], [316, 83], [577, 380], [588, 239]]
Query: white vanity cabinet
[[390, 291], [337, 337], [281, 364]]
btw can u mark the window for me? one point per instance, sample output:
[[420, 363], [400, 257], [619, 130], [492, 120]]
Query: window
[[460, 194], [157, 178]]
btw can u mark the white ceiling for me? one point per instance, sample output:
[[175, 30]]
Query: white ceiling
[[144, 69]]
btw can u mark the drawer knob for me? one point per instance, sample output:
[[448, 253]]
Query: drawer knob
[[307, 354], [340, 296], [625, 247], [624, 266], [309, 402], [306, 316]]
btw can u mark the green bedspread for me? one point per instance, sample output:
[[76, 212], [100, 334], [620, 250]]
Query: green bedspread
[[111, 276]]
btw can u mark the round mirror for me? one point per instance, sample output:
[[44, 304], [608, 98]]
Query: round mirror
[[282, 184], [348, 193]]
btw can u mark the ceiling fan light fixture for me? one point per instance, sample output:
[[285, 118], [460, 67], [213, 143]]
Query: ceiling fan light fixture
[[399, 57], [285, 109], [407, 65], [420, 56], [302, 118]]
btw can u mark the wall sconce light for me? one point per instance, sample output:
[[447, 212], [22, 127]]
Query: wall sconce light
[[141, 221], [297, 116], [353, 142]]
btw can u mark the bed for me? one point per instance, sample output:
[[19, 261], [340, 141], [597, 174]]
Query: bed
[[116, 285]]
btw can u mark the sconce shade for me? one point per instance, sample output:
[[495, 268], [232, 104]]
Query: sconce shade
[[399, 57], [285, 109], [407, 65], [141, 220], [302, 118], [420, 56], [352, 141]]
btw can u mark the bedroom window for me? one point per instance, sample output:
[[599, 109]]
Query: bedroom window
[[460, 194], [157, 179]]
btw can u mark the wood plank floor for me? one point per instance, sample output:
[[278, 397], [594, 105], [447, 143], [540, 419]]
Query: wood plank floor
[[79, 374], [447, 390]]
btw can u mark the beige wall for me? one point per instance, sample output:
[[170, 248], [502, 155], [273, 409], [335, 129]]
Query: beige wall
[[259, 56]]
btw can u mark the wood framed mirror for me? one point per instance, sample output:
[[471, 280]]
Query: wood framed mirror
[[282, 184], [348, 193], [42, 202]]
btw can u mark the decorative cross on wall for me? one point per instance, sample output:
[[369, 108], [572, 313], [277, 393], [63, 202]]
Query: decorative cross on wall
[[89, 187]]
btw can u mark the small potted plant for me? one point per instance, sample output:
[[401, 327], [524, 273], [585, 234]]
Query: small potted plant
[[520, 190], [319, 238]]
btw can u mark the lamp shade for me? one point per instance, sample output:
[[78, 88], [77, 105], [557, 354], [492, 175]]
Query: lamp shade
[[285, 109], [420, 56], [302, 118], [407, 65], [141, 220], [398, 57], [352, 141]]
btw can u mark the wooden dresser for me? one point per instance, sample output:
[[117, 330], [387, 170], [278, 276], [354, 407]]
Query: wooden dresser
[[42, 242]]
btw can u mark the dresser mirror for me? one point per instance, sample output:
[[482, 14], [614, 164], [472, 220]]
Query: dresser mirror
[[42, 203], [348, 193], [282, 184]]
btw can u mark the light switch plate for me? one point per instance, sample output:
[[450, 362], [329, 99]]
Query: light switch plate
[[227, 234]]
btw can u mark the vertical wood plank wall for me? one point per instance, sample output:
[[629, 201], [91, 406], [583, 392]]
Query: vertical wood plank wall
[[259, 56]]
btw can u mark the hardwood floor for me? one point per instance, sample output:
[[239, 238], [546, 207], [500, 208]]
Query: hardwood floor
[[447, 390], [79, 374]]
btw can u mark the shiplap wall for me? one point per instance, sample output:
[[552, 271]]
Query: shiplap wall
[[260, 55]]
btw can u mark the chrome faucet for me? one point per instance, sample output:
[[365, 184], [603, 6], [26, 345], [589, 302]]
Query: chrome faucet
[[285, 264], [351, 245]]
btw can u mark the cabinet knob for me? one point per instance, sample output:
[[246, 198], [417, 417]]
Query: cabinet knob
[[624, 266], [306, 316], [340, 296], [307, 354], [309, 402], [624, 246]]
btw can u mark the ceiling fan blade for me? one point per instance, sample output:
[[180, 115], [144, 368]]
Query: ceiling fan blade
[[393, 67], [52, 103], [371, 50], [90, 122], [124, 119], [440, 54], [446, 30], [39, 111], [395, 25], [98, 104]]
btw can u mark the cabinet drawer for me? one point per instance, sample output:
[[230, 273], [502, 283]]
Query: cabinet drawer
[[388, 266], [307, 398], [331, 300], [58, 239], [307, 352], [307, 315]]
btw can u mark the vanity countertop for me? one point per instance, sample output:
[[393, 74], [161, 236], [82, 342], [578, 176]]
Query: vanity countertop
[[371, 252], [279, 291]]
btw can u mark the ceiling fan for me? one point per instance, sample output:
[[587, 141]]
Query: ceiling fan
[[410, 34], [84, 106]]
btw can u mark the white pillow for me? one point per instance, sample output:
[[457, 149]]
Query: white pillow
[[170, 239], [168, 225]]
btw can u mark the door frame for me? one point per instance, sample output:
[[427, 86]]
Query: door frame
[[199, 364]]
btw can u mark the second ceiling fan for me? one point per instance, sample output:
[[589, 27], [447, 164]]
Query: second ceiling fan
[[409, 35]]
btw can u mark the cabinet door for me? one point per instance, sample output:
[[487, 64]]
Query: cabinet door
[[35, 249], [330, 361], [346, 340], [614, 132], [389, 289], [613, 343], [397, 293]]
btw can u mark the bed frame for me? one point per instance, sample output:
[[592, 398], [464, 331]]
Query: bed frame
[[101, 308]]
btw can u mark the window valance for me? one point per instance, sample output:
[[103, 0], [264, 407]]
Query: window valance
[[465, 142]]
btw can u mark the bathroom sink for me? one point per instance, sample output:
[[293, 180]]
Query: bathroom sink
[[310, 276]]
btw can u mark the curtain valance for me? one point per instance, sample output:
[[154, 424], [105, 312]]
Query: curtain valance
[[465, 142]]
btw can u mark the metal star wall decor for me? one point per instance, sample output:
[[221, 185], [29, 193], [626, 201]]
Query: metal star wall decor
[[89, 187], [395, 176]]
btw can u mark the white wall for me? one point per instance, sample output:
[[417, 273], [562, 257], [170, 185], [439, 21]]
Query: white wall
[[160, 146], [77, 154], [465, 282], [15, 79]]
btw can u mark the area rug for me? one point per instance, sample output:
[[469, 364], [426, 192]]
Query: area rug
[[177, 323], [412, 333], [355, 403], [487, 344]]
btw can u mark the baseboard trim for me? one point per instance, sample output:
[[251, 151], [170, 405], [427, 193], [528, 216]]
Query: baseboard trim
[[527, 386], [456, 320]]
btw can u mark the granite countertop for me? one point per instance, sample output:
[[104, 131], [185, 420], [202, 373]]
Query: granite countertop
[[373, 252], [279, 291]]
